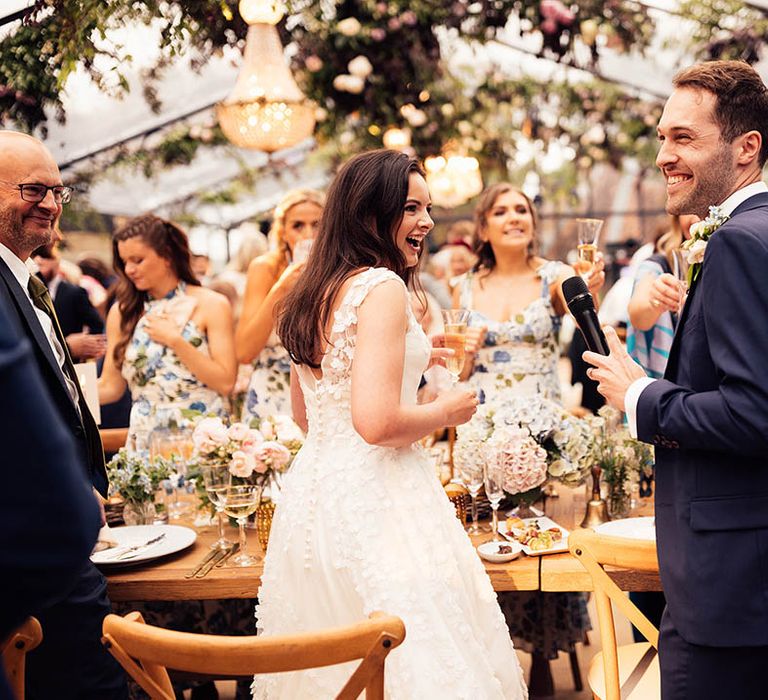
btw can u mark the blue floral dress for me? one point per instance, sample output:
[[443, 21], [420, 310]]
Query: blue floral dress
[[269, 390], [159, 382], [519, 358], [161, 386]]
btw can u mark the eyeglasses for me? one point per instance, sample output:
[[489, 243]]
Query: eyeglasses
[[37, 193]]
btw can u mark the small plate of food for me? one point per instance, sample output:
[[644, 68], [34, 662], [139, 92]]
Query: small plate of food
[[536, 535], [499, 552]]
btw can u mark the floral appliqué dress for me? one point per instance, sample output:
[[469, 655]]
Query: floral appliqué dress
[[159, 382], [361, 528], [519, 358]]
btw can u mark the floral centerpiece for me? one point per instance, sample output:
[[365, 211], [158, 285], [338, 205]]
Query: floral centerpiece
[[534, 439], [136, 479], [622, 459]]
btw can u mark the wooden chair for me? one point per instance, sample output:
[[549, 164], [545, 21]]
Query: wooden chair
[[631, 671], [14, 650], [145, 652]]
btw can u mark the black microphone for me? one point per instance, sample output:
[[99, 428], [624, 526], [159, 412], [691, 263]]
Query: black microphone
[[582, 307]]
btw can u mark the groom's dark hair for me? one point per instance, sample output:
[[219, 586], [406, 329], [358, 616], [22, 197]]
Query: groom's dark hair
[[742, 97]]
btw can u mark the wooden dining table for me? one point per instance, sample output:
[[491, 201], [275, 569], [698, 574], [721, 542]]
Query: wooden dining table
[[165, 578]]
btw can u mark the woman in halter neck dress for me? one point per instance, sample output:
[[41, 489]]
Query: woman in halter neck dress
[[516, 304]]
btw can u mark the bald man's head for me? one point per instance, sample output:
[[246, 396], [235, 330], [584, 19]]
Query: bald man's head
[[26, 225]]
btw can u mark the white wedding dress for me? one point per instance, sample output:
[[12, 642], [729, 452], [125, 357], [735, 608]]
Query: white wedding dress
[[361, 528]]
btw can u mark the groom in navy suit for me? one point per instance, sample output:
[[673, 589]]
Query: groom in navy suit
[[708, 416]]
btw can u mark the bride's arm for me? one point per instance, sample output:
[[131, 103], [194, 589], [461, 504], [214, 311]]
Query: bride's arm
[[377, 375], [298, 408]]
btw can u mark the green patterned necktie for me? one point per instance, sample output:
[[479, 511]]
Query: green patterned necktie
[[41, 298]]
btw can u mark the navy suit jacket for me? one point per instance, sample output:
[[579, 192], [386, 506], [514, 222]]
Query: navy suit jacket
[[708, 418], [48, 516], [84, 430], [74, 310]]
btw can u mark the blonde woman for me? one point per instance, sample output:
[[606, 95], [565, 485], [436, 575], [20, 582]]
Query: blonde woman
[[270, 277]]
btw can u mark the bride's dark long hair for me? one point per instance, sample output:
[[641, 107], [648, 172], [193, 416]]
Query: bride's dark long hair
[[169, 242], [364, 208]]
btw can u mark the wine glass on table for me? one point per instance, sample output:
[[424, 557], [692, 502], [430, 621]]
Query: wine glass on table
[[471, 474], [492, 479], [217, 479], [240, 501], [588, 232], [455, 333]]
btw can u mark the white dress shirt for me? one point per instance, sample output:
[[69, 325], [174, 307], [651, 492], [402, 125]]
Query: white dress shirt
[[632, 396], [21, 273]]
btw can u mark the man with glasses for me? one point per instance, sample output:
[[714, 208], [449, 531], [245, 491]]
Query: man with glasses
[[71, 662]]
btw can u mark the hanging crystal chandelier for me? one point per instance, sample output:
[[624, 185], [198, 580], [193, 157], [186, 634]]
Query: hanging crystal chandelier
[[453, 179], [266, 110]]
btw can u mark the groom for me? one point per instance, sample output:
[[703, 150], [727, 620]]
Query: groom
[[708, 417]]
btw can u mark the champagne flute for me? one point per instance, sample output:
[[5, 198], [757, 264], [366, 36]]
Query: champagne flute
[[471, 474], [492, 478], [240, 501], [680, 271], [217, 480], [455, 323], [588, 232]]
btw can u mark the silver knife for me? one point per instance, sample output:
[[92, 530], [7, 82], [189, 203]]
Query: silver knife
[[211, 554], [133, 551]]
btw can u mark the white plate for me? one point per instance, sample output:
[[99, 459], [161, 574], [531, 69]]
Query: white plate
[[176, 538], [544, 524], [633, 528], [490, 551]]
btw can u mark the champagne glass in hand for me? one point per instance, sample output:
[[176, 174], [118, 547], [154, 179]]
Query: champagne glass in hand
[[455, 323], [588, 232], [217, 480], [680, 271]]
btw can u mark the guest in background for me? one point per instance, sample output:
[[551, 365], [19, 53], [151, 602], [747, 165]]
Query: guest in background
[[656, 301], [270, 277], [98, 280], [81, 324], [71, 663], [49, 516], [516, 301], [201, 267], [168, 338], [252, 245]]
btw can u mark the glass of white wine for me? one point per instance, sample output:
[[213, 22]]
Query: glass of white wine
[[588, 232], [455, 324], [217, 480], [240, 501], [493, 476]]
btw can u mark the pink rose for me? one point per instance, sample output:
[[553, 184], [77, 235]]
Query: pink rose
[[251, 441], [242, 464], [209, 434], [267, 429], [238, 432], [273, 454], [286, 429]]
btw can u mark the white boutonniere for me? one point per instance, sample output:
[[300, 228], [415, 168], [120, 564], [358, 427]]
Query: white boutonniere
[[695, 246]]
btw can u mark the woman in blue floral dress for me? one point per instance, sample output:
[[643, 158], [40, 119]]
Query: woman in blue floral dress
[[270, 277], [516, 303], [171, 341]]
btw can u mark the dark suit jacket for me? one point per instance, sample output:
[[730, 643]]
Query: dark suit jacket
[[85, 431], [74, 310], [709, 421], [48, 516]]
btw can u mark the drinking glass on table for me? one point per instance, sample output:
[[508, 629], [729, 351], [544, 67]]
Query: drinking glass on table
[[492, 478], [455, 324], [471, 475], [217, 480], [240, 501], [588, 233]]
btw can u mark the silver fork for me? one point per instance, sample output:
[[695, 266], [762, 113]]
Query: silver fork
[[134, 550]]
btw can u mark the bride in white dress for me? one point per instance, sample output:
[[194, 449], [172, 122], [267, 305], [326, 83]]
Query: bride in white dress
[[362, 523]]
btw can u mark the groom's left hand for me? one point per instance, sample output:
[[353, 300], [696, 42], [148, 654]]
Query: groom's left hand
[[614, 372]]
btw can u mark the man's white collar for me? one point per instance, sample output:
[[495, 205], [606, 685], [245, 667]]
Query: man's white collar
[[741, 196]]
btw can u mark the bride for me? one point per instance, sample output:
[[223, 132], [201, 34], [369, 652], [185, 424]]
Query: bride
[[363, 523]]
